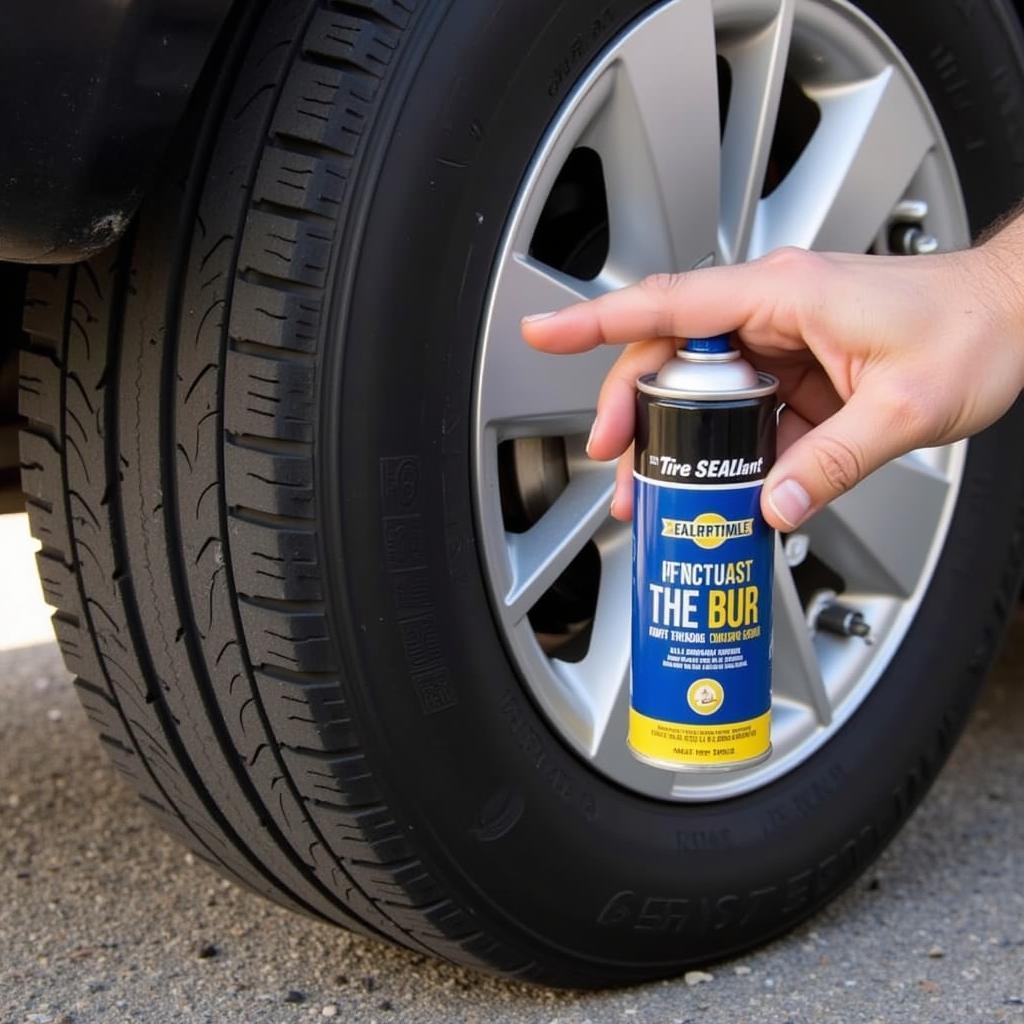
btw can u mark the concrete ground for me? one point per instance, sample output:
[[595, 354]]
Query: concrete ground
[[103, 918]]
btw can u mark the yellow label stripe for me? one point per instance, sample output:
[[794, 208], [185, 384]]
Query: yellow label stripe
[[699, 744]]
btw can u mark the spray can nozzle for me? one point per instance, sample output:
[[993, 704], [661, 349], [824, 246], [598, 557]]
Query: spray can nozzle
[[719, 344]]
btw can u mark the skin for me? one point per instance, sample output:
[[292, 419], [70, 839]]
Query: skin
[[875, 355]]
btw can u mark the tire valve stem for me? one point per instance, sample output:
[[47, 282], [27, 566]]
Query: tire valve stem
[[842, 620], [911, 240]]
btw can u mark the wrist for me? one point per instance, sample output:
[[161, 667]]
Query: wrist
[[997, 272]]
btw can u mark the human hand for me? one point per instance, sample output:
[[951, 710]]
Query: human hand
[[875, 356]]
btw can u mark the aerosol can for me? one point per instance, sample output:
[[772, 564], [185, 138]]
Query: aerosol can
[[702, 562]]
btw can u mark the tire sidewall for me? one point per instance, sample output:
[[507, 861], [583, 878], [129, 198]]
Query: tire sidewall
[[548, 853]]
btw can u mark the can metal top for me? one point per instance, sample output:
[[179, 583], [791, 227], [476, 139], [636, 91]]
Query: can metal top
[[708, 370]]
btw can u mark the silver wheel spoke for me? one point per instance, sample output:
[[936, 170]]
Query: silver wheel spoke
[[758, 65], [878, 536], [796, 673], [660, 149], [541, 554], [603, 674], [872, 139], [526, 385]]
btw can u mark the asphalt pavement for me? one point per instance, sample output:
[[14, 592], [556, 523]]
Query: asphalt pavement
[[104, 918]]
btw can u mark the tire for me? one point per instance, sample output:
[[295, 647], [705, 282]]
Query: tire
[[246, 457]]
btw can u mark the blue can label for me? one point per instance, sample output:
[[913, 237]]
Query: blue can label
[[701, 684]]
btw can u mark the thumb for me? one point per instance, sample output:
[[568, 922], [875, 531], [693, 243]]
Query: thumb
[[830, 459]]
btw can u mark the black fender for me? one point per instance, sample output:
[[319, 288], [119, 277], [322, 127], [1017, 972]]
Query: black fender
[[90, 93]]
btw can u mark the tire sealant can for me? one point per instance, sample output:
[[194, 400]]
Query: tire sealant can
[[700, 696]]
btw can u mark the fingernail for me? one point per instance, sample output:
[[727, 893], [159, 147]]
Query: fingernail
[[611, 508], [790, 502], [534, 317], [593, 427]]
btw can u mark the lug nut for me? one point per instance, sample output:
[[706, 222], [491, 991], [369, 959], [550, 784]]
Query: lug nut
[[842, 620]]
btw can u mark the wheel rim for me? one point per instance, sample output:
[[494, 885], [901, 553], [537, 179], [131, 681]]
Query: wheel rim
[[547, 540]]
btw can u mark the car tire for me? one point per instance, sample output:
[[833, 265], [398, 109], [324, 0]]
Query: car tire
[[247, 459]]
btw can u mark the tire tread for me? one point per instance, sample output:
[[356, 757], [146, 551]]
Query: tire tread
[[168, 455]]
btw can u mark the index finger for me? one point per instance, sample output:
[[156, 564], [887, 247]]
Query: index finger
[[694, 304]]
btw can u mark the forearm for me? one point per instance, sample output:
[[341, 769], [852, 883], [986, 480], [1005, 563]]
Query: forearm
[[1002, 255]]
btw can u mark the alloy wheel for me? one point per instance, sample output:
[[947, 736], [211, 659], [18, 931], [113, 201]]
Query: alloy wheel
[[706, 132]]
